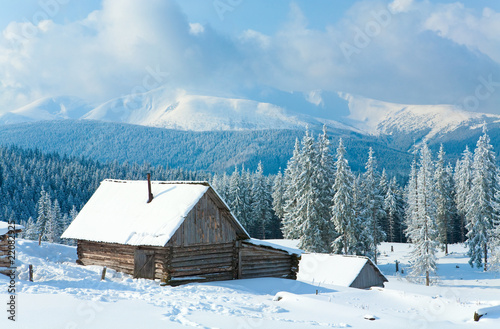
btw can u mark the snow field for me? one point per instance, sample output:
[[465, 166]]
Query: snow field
[[66, 295]]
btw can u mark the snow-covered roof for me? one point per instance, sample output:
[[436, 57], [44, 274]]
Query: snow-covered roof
[[337, 270], [4, 227], [118, 212], [289, 250]]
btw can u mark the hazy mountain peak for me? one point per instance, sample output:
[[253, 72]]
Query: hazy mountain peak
[[384, 118]]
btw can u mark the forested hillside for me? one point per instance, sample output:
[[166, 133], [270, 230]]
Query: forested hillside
[[213, 151]]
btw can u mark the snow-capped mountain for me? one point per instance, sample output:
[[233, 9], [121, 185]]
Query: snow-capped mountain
[[172, 109], [176, 109], [428, 121], [48, 108]]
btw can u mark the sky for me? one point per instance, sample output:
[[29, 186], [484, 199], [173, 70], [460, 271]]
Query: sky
[[298, 54]]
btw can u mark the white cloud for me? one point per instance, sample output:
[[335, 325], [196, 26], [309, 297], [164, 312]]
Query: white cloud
[[314, 97], [423, 53], [196, 28], [400, 6], [479, 32], [105, 55]]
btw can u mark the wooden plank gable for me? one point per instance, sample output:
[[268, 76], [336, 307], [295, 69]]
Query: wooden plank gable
[[209, 222]]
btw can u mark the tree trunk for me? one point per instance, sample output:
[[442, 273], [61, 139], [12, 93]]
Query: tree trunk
[[485, 257], [462, 227], [374, 235], [345, 245], [427, 281]]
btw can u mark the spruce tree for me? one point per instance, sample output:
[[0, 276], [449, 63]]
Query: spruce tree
[[44, 209], [482, 205], [324, 181], [30, 232], [463, 184], [382, 188], [343, 215], [262, 203], [234, 198], [278, 195], [422, 230], [391, 209], [444, 200], [291, 195], [54, 225], [309, 218], [372, 206]]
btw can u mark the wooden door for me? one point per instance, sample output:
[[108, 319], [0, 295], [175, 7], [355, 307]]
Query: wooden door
[[144, 264]]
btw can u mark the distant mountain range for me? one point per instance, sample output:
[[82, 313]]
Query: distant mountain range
[[216, 133], [172, 109], [177, 109]]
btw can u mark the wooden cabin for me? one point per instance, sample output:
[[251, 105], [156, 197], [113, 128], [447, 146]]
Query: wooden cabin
[[178, 232], [6, 231], [340, 270]]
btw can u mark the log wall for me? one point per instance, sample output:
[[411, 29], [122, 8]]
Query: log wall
[[211, 262], [174, 265], [261, 261], [117, 256]]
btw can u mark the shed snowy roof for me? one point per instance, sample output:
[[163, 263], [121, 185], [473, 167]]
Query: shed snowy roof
[[269, 243], [338, 270], [118, 212], [4, 227]]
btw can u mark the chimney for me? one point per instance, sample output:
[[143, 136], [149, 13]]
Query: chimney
[[150, 195]]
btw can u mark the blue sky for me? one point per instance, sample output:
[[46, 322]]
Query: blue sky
[[297, 54]]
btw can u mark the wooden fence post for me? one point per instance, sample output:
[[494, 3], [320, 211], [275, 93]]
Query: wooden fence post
[[30, 272], [103, 275]]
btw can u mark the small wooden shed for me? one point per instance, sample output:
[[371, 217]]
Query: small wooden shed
[[178, 232], [6, 246], [340, 270]]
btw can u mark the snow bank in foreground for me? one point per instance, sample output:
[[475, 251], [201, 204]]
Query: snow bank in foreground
[[66, 295]]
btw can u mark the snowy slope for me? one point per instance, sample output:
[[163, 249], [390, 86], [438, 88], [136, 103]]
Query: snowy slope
[[176, 109], [378, 118], [179, 109], [67, 295], [49, 108]]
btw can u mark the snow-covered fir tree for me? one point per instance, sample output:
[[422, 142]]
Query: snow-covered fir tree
[[445, 207], [482, 204], [262, 203], [310, 220], [360, 247], [278, 194], [30, 232], [422, 230], [44, 209], [372, 207], [343, 215], [393, 210], [235, 198], [382, 188], [463, 182], [67, 220], [325, 177], [291, 195], [53, 227]]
